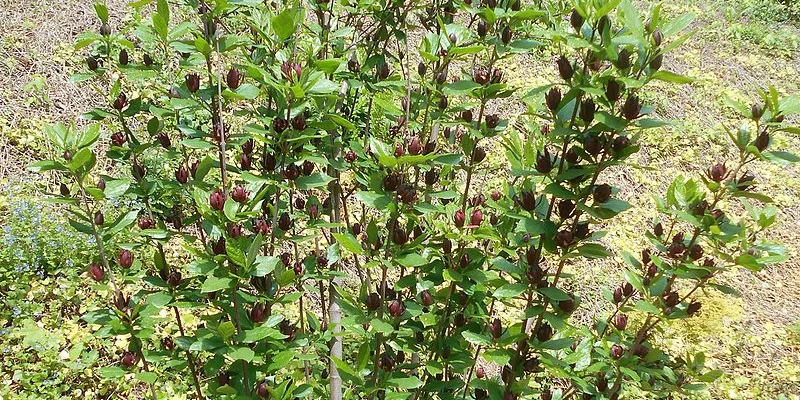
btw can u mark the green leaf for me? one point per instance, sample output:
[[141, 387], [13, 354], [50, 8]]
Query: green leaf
[[672, 77], [647, 307], [476, 339], [510, 290], [159, 299], [593, 250], [411, 382], [349, 242], [226, 330], [313, 181], [146, 376], [122, 223], [242, 353], [283, 24], [102, 11], [381, 326], [554, 293], [214, 284], [46, 165]]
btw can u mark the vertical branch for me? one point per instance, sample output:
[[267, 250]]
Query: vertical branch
[[335, 312]]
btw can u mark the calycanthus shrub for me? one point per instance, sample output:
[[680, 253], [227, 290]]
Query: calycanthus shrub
[[328, 199]]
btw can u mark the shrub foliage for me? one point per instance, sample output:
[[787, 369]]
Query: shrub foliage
[[328, 199]]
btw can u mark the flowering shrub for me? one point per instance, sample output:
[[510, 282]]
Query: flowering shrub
[[324, 170]]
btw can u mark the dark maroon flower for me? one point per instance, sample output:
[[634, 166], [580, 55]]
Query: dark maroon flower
[[174, 278], [616, 351], [399, 236], [505, 36], [299, 122], [280, 124], [92, 63], [233, 79], [497, 76], [129, 359], [587, 111], [632, 109], [258, 313], [696, 252], [373, 301], [565, 68], [262, 389], [756, 112], [762, 140], [223, 378], [656, 63], [602, 193], [426, 298], [163, 139], [396, 308], [528, 200], [592, 145], [545, 332], [146, 223], [480, 76], [492, 120], [496, 328], [414, 146], [244, 162], [618, 295], [235, 230], [382, 70], [431, 176], [168, 343], [671, 299], [620, 321], [693, 308], [239, 194], [620, 143], [717, 172], [442, 104], [219, 246], [576, 20], [613, 90], [120, 102], [291, 171], [447, 246], [96, 272], [392, 181], [98, 218], [544, 163], [125, 259], [422, 68], [623, 60], [482, 28], [627, 289], [476, 218], [478, 155], [123, 57], [566, 208], [285, 222], [459, 218], [350, 156], [217, 200], [261, 226], [553, 99], [182, 174], [148, 61], [193, 82], [353, 66]]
